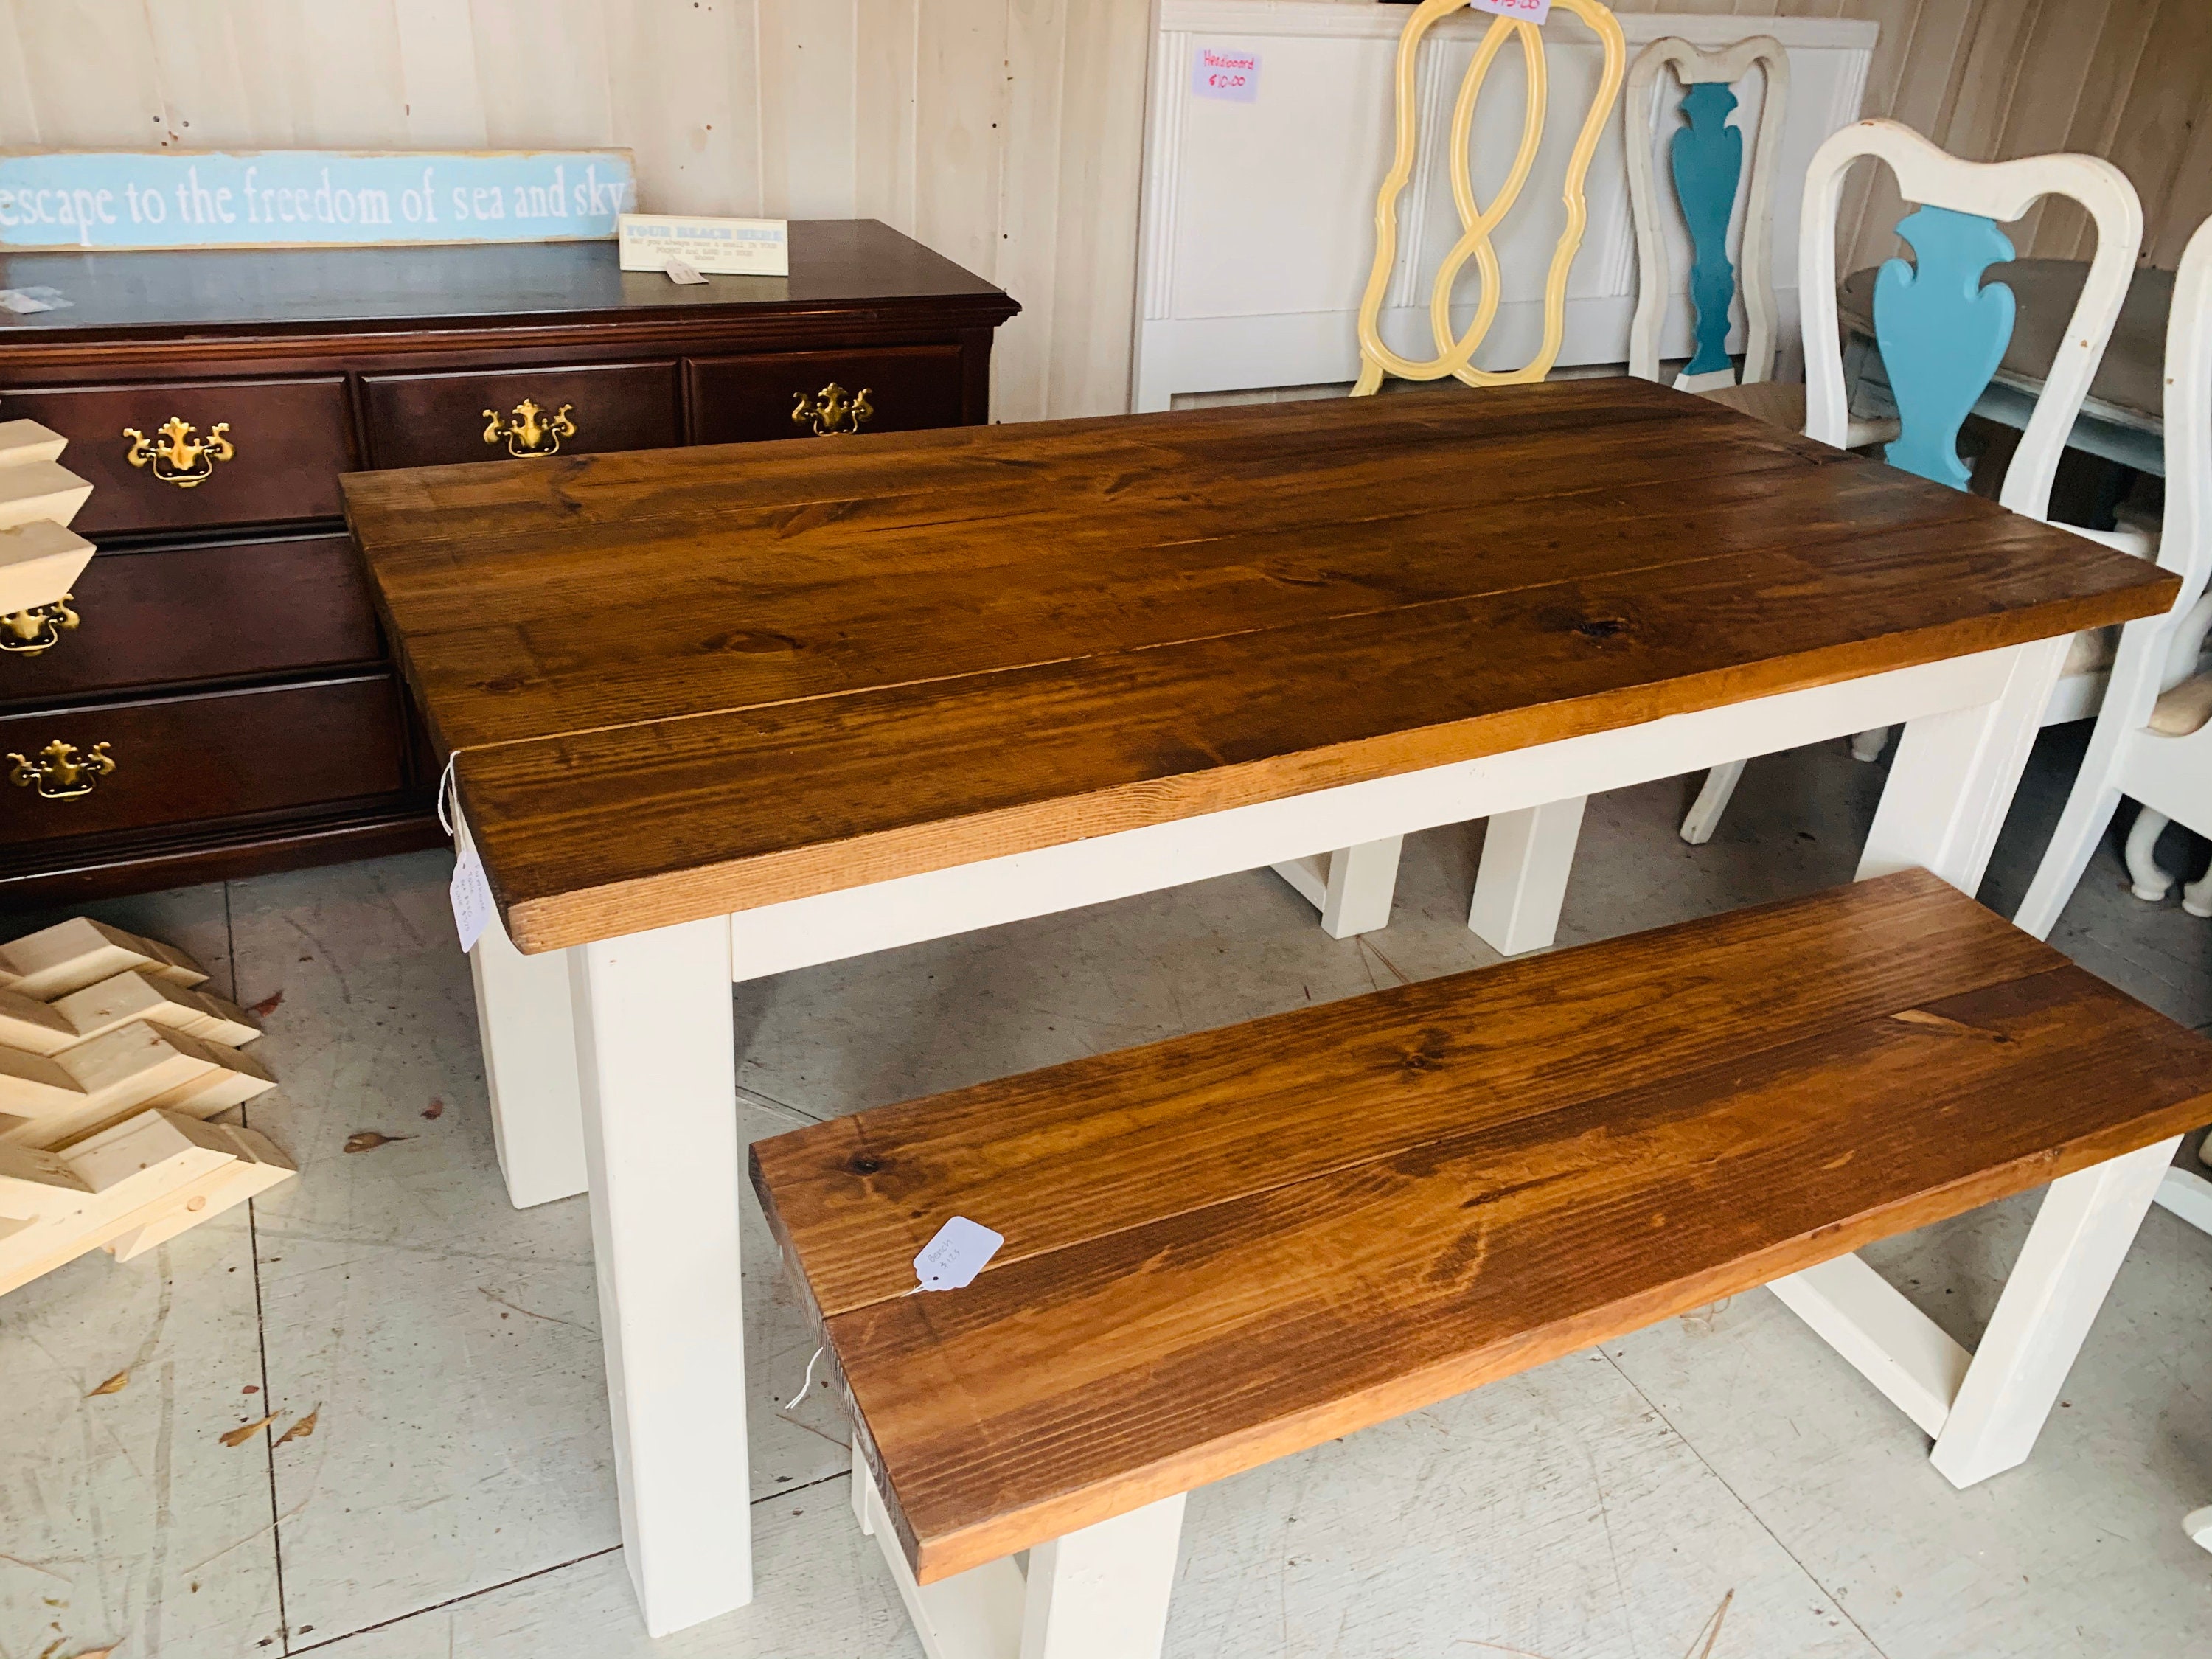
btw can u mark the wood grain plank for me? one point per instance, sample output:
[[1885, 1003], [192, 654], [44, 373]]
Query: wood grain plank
[[1302, 1296], [1074, 1153], [926, 777]]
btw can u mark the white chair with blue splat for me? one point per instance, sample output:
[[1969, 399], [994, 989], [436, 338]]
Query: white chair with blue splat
[[1706, 162], [1942, 333], [2153, 741]]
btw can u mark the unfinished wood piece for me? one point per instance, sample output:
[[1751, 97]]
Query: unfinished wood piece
[[26, 440], [259, 1166], [64, 1203], [1235, 1245], [33, 1026], [135, 1066], [34, 1085], [74, 954], [39, 563], [41, 489], [139, 994]]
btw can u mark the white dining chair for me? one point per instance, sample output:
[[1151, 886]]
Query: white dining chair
[[1706, 162], [2152, 739], [1353, 886], [1942, 333]]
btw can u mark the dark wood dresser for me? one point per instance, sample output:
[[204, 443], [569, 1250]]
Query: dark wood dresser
[[228, 652]]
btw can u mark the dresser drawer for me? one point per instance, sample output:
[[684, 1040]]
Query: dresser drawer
[[234, 610], [227, 755], [289, 441], [742, 400], [431, 419]]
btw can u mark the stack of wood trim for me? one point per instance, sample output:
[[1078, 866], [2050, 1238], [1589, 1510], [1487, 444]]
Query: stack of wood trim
[[40, 558], [110, 1057]]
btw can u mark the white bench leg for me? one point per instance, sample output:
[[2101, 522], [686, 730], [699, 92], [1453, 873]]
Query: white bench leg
[[2072, 1252], [1713, 797], [657, 1056], [1101, 1593], [2198, 1525], [1522, 881], [1352, 887], [529, 1038]]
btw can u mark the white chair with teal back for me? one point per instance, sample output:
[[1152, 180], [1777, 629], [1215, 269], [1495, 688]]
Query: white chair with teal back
[[1942, 331], [1706, 162]]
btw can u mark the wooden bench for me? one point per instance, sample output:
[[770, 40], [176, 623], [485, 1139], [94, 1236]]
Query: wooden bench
[[1228, 1247]]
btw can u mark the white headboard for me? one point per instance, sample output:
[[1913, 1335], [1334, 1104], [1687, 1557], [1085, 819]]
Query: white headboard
[[1259, 215]]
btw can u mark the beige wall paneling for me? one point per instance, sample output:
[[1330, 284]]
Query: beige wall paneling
[[960, 116], [542, 71], [91, 74], [2170, 95], [1031, 201], [2063, 230], [884, 111], [443, 103], [808, 53], [684, 97]]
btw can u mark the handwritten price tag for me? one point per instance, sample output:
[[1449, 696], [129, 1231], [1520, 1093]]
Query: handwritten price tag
[[1525, 11], [950, 1261], [1231, 77], [471, 895]]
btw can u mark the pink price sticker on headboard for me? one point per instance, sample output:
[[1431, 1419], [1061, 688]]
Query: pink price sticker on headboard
[[1232, 76], [1525, 11]]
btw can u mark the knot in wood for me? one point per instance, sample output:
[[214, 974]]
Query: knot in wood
[[1602, 627]]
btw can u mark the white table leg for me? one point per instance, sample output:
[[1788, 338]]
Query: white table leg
[[2073, 1253], [656, 1057], [1953, 775], [2189, 1195], [2197, 1523], [1102, 1592], [1352, 887], [529, 1038], [1521, 881]]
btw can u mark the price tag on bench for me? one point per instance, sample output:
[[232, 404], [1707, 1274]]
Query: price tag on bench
[[950, 1261], [1527, 11], [471, 895]]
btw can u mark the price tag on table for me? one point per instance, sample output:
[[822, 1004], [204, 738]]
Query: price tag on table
[[950, 1261], [1525, 11], [471, 895]]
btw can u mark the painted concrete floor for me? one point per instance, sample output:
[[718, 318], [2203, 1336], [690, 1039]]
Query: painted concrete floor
[[456, 1496]]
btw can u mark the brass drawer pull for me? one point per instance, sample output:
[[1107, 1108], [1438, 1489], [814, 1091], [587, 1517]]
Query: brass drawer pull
[[176, 456], [832, 412], [530, 430], [26, 633], [61, 771]]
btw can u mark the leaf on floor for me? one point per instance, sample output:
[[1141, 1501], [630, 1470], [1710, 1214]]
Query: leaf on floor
[[245, 1432], [115, 1384], [302, 1429], [269, 1004], [367, 1140], [435, 1110]]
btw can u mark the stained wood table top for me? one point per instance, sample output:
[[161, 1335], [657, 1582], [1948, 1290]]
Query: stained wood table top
[[1231, 1246], [686, 682]]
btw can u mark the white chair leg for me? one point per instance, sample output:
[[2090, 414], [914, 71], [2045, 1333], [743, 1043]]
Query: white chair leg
[[1712, 800], [2073, 843], [1352, 887], [2189, 1195], [1868, 745], [2074, 1251], [2196, 896], [2150, 881], [2198, 1526], [1522, 879], [976, 1614], [1102, 1592]]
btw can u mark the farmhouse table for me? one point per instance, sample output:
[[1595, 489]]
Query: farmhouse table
[[714, 713]]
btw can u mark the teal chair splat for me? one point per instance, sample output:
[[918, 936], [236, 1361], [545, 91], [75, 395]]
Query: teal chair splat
[[1941, 334], [1707, 157]]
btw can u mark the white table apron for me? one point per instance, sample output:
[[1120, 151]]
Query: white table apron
[[642, 1116]]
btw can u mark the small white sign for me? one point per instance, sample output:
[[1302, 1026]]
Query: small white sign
[[1231, 77], [727, 247], [1525, 11], [950, 1261], [471, 895]]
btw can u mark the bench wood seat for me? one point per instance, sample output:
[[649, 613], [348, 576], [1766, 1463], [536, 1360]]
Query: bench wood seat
[[1227, 1247]]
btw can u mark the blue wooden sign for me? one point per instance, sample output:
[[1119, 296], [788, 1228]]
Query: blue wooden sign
[[309, 198]]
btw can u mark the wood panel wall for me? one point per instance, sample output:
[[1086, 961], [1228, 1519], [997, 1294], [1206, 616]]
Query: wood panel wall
[[1006, 133]]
